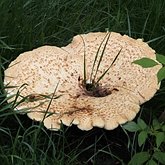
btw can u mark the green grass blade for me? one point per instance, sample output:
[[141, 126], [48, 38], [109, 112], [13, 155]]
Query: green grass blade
[[1, 80], [4, 45], [17, 95], [155, 39], [102, 53], [145, 23], [97, 53], [45, 115], [109, 67], [129, 24]]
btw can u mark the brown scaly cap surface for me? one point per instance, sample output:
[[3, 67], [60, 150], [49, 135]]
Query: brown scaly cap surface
[[115, 101]]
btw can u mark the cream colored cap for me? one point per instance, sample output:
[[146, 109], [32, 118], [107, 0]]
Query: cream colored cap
[[117, 99]]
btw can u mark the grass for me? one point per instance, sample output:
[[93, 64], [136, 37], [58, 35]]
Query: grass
[[27, 24]]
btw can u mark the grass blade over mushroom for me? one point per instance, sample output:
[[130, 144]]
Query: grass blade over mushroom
[[47, 113], [108, 34], [91, 84], [109, 67]]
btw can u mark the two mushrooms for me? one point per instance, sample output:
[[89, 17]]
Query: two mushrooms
[[92, 82]]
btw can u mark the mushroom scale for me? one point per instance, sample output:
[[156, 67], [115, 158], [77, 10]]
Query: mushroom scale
[[51, 81]]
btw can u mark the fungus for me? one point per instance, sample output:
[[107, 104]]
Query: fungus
[[98, 83]]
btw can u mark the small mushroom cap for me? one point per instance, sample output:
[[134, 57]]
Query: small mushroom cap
[[44, 69]]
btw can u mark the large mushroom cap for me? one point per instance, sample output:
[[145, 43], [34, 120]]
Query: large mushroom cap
[[114, 101]]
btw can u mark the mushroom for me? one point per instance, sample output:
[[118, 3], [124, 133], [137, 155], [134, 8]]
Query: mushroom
[[59, 90]]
